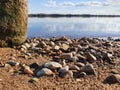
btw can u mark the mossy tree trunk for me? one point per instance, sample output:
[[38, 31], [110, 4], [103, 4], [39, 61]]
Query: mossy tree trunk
[[13, 22]]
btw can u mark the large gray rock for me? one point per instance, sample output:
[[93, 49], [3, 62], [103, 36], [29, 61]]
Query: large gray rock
[[44, 72], [52, 65]]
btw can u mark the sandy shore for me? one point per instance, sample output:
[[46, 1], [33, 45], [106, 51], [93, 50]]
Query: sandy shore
[[103, 55]]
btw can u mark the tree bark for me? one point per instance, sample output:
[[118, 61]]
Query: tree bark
[[13, 22]]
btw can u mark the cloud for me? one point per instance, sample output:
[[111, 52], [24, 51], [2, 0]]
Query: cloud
[[113, 2], [67, 4], [51, 3]]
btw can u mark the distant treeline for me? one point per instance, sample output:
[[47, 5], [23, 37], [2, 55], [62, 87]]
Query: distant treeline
[[70, 15]]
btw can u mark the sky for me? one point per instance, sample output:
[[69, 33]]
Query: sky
[[74, 6]]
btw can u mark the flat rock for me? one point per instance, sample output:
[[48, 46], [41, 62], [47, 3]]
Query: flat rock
[[88, 69], [44, 72], [67, 56], [52, 65], [112, 79]]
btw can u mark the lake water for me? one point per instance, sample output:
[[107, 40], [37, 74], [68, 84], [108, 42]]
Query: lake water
[[73, 27]]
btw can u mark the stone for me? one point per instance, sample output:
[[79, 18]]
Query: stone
[[114, 71], [74, 67], [80, 74], [44, 72], [34, 79], [34, 65], [108, 58], [79, 64], [73, 59], [66, 74], [8, 67], [64, 47], [81, 57], [65, 68], [52, 65], [66, 56], [88, 69], [63, 38], [91, 58], [27, 70], [27, 45], [112, 79], [56, 47], [93, 47], [13, 63]]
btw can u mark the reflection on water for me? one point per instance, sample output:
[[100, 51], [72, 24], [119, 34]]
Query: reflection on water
[[74, 27]]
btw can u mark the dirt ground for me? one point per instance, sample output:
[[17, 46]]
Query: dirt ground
[[10, 81]]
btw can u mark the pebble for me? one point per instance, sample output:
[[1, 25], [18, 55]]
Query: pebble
[[74, 67], [66, 74], [44, 72], [65, 68], [91, 58], [34, 79], [12, 63], [27, 70], [66, 56], [79, 64], [89, 69], [65, 47], [81, 74], [52, 65], [34, 65], [112, 79], [74, 58]]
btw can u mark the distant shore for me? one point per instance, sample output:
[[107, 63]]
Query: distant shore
[[70, 15]]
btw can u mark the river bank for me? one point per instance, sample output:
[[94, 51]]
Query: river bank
[[61, 64]]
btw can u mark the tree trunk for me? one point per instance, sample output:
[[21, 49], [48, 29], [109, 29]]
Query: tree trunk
[[13, 22]]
